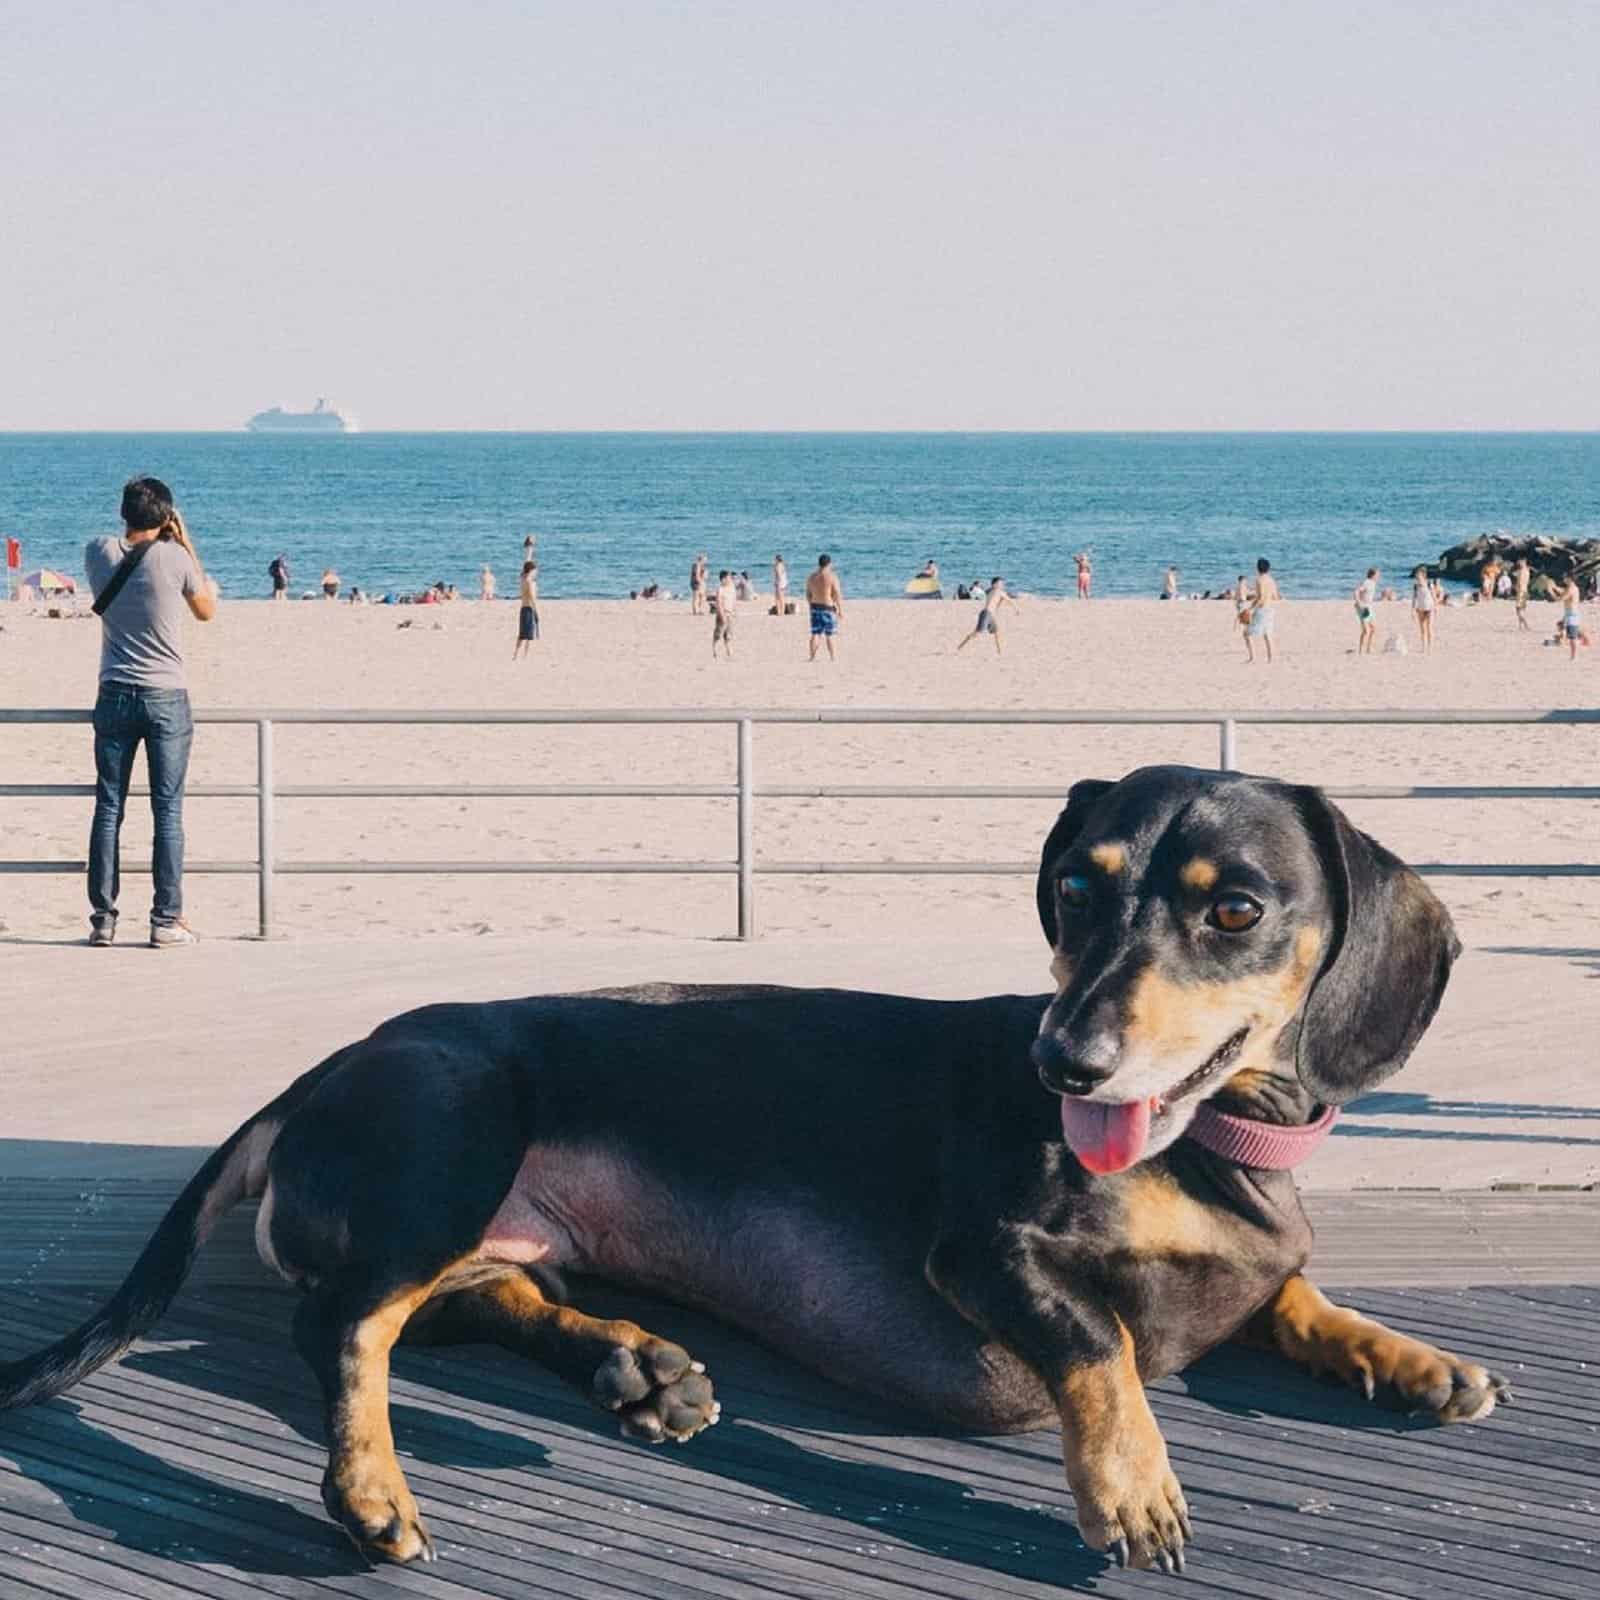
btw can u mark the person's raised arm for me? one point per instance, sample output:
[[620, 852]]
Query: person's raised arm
[[202, 599]]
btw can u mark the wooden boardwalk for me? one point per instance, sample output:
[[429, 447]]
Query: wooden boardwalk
[[191, 1468]]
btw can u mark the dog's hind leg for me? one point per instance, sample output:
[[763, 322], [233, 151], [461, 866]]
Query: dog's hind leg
[[651, 1385], [1303, 1324], [346, 1340]]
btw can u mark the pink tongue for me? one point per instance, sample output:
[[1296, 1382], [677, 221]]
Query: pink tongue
[[1105, 1138]]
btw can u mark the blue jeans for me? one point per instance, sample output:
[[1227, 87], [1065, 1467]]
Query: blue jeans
[[123, 715]]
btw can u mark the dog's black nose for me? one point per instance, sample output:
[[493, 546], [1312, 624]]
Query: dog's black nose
[[1060, 1071]]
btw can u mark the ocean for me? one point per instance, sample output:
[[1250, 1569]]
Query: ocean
[[612, 512]]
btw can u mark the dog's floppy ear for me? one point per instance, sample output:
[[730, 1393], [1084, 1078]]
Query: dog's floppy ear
[[1385, 967], [1080, 801]]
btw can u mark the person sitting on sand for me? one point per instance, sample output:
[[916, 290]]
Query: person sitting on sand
[[330, 584], [741, 587], [1366, 599], [989, 618], [1423, 604], [826, 601], [722, 612], [1263, 611], [527, 609]]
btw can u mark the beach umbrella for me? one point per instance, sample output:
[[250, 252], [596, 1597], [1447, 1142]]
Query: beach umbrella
[[46, 579]]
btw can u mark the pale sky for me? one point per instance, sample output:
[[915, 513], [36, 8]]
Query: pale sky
[[607, 214]]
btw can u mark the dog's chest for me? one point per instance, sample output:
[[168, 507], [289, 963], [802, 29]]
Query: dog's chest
[[1184, 1271]]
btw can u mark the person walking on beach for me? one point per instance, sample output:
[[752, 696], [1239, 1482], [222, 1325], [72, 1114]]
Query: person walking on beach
[[780, 586], [142, 583], [1366, 599], [1263, 611], [1423, 604], [723, 605], [1085, 574], [826, 601], [989, 618], [278, 571], [1522, 576], [330, 584], [486, 582], [697, 584], [527, 609]]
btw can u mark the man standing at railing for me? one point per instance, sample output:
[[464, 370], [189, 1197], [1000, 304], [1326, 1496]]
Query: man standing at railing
[[141, 583]]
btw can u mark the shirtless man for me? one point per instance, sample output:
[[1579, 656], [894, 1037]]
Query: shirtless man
[[722, 609], [989, 618], [1567, 597], [826, 600], [1263, 611], [1522, 575]]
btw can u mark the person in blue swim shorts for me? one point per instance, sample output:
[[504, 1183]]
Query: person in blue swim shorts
[[826, 600]]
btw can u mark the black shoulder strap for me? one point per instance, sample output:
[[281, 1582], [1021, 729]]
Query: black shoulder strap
[[125, 571]]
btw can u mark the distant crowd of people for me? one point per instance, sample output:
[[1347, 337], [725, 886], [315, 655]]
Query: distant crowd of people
[[1255, 602]]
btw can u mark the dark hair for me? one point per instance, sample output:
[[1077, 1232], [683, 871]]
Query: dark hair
[[721, 575], [1372, 572], [529, 566], [823, 561], [146, 504], [996, 579], [1263, 565], [778, 556]]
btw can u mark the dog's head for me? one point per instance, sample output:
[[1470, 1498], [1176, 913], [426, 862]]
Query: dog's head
[[1205, 925]]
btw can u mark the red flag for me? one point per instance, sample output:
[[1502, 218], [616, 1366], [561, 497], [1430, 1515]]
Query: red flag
[[13, 553]]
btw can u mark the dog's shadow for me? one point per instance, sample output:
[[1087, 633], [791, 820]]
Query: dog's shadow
[[789, 1438]]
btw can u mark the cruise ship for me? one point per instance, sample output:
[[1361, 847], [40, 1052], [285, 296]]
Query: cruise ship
[[321, 418]]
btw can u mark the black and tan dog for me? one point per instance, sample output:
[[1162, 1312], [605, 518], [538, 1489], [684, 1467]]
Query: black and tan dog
[[877, 1186]]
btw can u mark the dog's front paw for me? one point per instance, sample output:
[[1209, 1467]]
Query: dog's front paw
[[1129, 1503], [657, 1392], [372, 1502], [1419, 1377]]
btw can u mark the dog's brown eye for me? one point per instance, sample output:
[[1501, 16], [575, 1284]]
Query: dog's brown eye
[[1234, 913], [1074, 892]]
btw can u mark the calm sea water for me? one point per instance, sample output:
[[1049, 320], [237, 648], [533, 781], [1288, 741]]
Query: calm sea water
[[613, 511]]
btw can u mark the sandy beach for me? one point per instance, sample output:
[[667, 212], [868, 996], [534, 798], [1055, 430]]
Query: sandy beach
[[1113, 655]]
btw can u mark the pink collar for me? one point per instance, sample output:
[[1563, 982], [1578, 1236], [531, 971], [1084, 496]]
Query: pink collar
[[1263, 1145]]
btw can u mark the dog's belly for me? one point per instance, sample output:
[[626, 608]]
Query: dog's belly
[[849, 1302]]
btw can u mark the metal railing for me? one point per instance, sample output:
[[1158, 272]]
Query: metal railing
[[744, 790]]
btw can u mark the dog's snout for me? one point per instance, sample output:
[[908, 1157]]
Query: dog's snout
[[1064, 1070]]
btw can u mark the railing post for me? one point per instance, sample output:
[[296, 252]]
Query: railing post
[[265, 849], [1230, 745], [747, 830]]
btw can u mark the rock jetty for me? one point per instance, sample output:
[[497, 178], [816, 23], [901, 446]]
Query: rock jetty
[[1552, 560]]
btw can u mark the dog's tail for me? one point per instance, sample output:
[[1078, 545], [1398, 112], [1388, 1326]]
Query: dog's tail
[[220, 1184]]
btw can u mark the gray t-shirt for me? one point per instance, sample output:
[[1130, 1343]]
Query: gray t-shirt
[[141, 640]]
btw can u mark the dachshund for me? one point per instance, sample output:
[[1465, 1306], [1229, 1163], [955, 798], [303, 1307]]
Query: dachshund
[[1006, 1213]]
